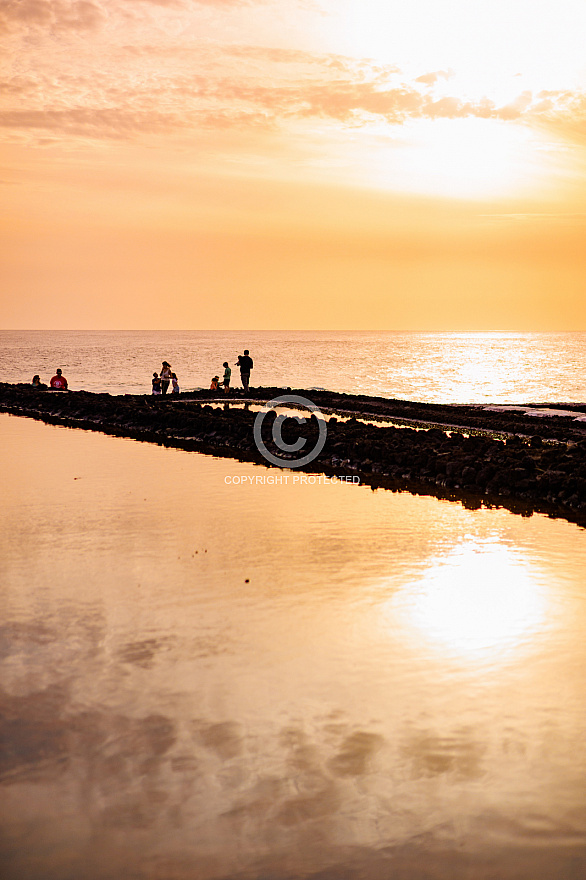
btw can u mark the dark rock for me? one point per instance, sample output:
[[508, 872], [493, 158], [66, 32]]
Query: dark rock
[[468, 475], [524, 467]]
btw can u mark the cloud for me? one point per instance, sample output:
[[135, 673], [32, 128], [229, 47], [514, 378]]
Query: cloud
[[281, 56], [562, 113], [429, 79], [173, 4], [185, 4], [515, 109], [345, 101], [87, 15], [124, 109], [80, 15], [87, 122], [352, 102], [226, 121], [158, 86]]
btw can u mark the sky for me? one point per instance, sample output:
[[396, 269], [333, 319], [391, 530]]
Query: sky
[[293, 164]]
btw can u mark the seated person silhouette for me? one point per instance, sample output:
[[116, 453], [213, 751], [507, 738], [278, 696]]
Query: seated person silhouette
[[59, 382]]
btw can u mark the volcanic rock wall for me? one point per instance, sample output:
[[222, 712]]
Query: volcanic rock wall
[[464, 458]]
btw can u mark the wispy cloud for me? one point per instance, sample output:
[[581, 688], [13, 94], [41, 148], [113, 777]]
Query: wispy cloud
[[134, 77], [186, 4], [429, 79], [87, 15], [88, 122], [124, 104], [77, 15]]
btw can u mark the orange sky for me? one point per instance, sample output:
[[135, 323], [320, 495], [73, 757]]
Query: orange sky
[[338, 164]]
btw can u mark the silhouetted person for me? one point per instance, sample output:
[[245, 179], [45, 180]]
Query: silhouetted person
[[175, 384], [156, 381], [227, 375], [165, 377], [245, 363], [59, 382]]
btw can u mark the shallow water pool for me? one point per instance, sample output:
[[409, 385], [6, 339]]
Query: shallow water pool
[[210, 678]]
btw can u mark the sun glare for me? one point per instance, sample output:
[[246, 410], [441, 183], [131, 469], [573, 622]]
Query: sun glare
[[459, 158], [480, 603], [484, 45]]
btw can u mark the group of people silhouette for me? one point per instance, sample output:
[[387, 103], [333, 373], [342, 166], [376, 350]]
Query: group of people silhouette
[[245, 363], [57, 383], [161, 382]]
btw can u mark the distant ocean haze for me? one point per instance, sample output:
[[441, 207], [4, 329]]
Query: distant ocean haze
[[444, 367]]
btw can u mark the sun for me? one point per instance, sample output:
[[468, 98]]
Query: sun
[[488, 63], [486, 45]]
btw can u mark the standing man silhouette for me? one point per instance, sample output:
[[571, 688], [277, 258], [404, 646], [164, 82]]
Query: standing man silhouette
[[246, 364]]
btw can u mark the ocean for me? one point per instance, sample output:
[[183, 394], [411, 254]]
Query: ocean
[[429, 367]]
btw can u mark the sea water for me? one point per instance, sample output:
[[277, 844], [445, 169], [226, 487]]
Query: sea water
[[211, 670], [431, 367]]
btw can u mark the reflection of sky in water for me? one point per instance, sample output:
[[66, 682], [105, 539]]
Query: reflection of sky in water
[[220, 681], [479, 602]]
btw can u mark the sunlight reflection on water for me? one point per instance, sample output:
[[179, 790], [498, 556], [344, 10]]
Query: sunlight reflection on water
[[203, 681], [431, 367], [481, 602]]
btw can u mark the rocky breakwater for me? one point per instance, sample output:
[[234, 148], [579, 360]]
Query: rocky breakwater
[[451, 451]]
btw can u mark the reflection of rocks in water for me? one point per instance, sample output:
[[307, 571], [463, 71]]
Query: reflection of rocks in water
[[430, 754]]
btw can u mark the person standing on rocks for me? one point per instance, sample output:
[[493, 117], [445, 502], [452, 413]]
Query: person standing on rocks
[[246, 364], [227, 375], [165, 377]]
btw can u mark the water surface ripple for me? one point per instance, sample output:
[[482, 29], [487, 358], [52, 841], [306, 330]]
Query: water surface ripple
[[203, 680]]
